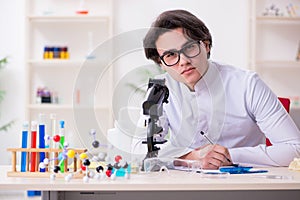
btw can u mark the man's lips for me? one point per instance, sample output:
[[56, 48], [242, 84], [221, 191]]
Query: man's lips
[[187, 70]]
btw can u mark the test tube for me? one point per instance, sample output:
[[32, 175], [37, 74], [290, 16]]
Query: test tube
[[33, 146], [42, 138], [24, 145], [62, 141]]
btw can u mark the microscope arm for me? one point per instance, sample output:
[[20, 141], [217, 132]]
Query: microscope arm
[[157, 94]]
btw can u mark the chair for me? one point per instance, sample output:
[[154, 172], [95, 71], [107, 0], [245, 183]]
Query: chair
[[286, 104]]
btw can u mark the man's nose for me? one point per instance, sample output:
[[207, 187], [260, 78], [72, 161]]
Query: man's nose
[[183, 60]]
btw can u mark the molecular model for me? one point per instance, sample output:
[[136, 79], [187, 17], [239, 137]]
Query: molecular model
[[272, 10], [103, 171]]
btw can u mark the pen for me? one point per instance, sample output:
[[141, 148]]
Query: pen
[[211, 142], [207, 138]]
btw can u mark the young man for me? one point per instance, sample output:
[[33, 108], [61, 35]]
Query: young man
[[231, 106]]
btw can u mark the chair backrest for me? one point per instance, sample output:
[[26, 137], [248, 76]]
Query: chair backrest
[[286, 104]]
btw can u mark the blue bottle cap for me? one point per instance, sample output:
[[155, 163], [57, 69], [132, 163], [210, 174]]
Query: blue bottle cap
[[62, 124]]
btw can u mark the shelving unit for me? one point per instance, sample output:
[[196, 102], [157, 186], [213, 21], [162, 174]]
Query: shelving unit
[[56, 23], [274, 43]]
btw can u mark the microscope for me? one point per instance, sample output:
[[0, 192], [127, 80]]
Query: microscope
[[157, 94]]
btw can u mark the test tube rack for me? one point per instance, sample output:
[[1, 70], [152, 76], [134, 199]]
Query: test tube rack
[[48, 152]]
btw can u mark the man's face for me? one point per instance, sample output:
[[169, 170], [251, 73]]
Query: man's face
[[191, 66]]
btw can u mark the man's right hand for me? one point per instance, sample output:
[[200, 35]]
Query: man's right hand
[[210, 156]]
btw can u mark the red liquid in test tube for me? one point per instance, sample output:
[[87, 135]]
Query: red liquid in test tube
[[33, 146]]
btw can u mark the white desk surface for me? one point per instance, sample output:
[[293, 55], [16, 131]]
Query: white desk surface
[[155, 181]]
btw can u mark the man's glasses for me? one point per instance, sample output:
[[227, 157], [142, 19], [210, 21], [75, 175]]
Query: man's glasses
[[172, 57]]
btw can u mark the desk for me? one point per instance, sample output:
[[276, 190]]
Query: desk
[[172, 185]]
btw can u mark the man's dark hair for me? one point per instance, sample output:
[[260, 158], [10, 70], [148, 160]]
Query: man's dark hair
[[192, 27]]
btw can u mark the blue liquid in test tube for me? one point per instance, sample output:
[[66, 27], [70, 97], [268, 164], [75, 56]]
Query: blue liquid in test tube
[[42, 138], [24, 145]]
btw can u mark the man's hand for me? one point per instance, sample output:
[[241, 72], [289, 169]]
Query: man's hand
[[211, 156]]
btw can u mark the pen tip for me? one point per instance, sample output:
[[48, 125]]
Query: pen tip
[[201, 132]]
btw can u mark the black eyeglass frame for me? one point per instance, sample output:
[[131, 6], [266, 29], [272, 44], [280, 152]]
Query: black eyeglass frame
[[181, 51]]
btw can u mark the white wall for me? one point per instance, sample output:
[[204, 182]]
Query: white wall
[[227, 21], [12, 77]]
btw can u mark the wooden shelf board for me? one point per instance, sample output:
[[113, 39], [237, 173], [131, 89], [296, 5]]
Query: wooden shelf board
[[55, 61], [278, 64], [63, 106], [277, 18], [57, 18]]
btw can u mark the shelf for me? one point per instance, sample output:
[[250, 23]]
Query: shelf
[[56, 62], [56, 23], [58, 18], [278, 64], [274, 45], [277, 20], [62, 107], [50, 106]]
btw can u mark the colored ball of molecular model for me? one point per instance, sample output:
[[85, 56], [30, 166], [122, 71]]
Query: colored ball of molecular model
[[71, 153], [56, 169], [96, 144], [120, 168], [56, 138], [86, 162], [99, 169]]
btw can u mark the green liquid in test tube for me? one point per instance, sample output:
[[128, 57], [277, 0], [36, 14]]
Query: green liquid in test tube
[[62, 141]]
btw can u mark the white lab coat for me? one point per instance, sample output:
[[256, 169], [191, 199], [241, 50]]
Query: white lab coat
[[236, 109]]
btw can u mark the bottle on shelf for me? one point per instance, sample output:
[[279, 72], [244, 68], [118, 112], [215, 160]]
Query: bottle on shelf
[[82, 10], [56, 52], [46, 52]]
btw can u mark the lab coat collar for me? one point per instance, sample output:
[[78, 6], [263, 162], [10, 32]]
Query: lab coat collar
[[208, 78]]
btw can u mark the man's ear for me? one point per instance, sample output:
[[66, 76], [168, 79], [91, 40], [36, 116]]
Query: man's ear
[[207, 49], [207, 46]]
